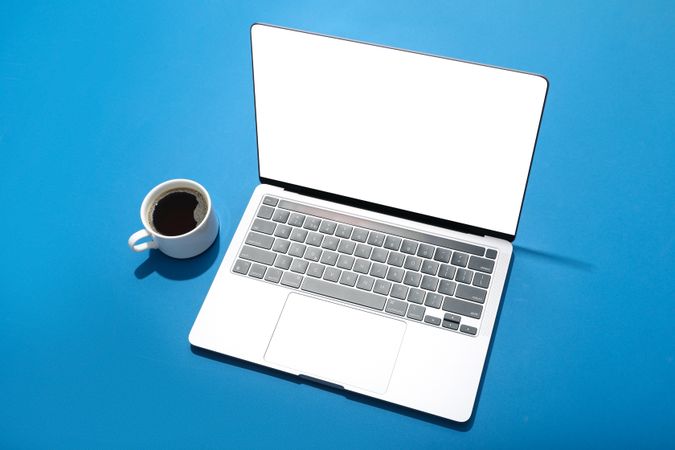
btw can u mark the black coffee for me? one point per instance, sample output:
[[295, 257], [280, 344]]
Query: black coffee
[[178, 212]]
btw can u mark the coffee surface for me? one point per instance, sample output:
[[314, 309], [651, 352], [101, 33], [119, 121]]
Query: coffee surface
[[178, 212]]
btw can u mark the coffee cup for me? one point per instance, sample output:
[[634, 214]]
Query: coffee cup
[[178, 219]]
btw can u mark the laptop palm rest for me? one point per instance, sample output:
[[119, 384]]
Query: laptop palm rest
[[338, 344]]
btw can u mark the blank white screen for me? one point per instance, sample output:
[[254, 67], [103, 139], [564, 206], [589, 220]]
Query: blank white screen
[[444, 138]]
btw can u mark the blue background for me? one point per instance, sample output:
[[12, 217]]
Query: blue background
[[100, 101]]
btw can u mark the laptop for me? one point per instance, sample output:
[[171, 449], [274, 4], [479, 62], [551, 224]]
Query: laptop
[[373, 254]]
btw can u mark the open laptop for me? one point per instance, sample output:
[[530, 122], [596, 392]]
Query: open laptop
[[373, 255]]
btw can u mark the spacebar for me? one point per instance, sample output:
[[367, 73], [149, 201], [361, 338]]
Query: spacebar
[[347, 294]]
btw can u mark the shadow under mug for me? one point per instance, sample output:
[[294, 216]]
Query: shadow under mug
[[183, 246]]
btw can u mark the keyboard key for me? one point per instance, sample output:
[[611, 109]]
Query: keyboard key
[[296, 220], [416, 296], [379, 255], [481, 280], [329, 258], [447, 287], [346, 246], [362, 265], [257, 271], [433, 300], [281, 245], [360, 235], [460, 259], [291, 279], [409, 247], [343, 231], [464, 276], [430, 267], [461, 307], [348, 278], [396, 307], [283, 262], [429, 283], [468, 330], [332, 274], [241, 266], [442, 255], [450, 325], [376, 239], [257, 255], [314, 239], [481, 264], [271, 201], [312, 223], [263, 226], [471, 293], [413, 263], [395, 259], [347, 294], [265, 212], [399, 291], [260, 240], [412, 278], [273, 275], [298, 235], [330, 242], [315, 270], [283, 231], [327, 227], [490, 253], [297, 249], [416, 312], [432, 320], [425, 251], [394, 274], [392, 242], [452, 317], [365, 282], [382, 287], [446, 271], [345, 262], [313, 254], [280, 215], [363, 251], [378, 270]]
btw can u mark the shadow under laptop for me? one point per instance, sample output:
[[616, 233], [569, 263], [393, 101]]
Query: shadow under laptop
[[178, 269], [397, 409], [554, 258]]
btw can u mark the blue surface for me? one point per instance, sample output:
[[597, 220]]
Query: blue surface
[[101, 101]]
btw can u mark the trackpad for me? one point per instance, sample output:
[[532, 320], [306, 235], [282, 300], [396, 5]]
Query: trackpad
[[335, 343]]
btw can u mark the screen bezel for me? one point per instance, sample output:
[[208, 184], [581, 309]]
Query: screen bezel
[[350, 201]]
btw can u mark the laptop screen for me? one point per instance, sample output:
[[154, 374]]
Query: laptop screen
[[430, 135]]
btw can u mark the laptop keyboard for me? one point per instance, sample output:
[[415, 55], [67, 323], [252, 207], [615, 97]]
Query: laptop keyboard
[[421, 277]]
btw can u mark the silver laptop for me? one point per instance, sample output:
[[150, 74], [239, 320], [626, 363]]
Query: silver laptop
[[373, 255]]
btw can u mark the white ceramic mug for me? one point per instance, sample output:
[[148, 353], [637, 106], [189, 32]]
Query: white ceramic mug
[[182, 246]]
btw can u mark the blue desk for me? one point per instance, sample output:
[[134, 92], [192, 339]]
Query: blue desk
[[101, 101]]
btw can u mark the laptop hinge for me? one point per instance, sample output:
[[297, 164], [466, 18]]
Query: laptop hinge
[[362, 204]]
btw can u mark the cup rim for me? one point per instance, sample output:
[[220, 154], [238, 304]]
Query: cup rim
[[177, 183]]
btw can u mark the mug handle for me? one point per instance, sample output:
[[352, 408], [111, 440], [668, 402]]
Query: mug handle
[[137, 236]]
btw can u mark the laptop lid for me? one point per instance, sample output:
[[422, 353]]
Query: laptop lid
[[431, 138]]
